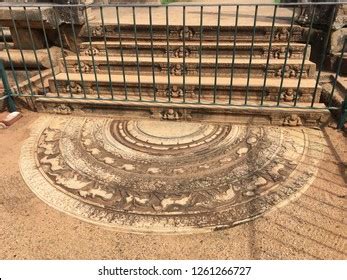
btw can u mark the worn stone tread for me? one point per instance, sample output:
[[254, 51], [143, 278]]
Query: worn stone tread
[[191, 80], [209, 60], [101, 44]]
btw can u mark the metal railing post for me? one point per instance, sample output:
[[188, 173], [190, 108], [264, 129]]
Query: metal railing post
[[343, 116], [8, 93]]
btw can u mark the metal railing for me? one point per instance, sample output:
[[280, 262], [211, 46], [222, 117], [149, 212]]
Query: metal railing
[[7, 89], [231, 39]]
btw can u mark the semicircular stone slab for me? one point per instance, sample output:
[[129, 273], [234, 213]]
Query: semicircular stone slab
[[167, 177]]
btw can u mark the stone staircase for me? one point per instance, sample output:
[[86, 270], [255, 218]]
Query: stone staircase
[[176, 88]]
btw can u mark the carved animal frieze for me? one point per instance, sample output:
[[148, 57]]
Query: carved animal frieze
[[288, 94], [74, 88], [177, 91], [177, 69], [170, 115], [62, 109], [97, 31], [287, 72], [182, 52], [186, 33], [281, 52], [84, 67], [91, 51], [174, 91], [282, 34], [156, 174], [292, 120]]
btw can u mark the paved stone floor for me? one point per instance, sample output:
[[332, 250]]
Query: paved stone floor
[[311, 226]]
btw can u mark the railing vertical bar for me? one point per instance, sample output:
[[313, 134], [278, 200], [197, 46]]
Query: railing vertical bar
[[48, 52], [121, 52], [217, 55], [251, 53], [304, 55], [200, 50], [62, 50], [184, 56], [286, 57], [343, 115], [10, 60], [338, 70], [92, 54], [327, 38], [21, 51], [34, 49], [234, 52], [106, 51], [7, 88], [152, 52], [268, 55], [77, 48], [137, 54], [168, 53]]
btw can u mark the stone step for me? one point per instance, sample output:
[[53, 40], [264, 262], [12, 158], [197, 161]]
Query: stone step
[[192, 32], [236, 113], [192, 66], [192, 49], [160, 88]]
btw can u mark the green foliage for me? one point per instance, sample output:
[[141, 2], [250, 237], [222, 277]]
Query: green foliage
[[167, 1]]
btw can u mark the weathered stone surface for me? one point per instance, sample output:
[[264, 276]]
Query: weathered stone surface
[[22, 39], [323, 14], [67, 163], [48, 16], [179, 112], [100, 86], [191, 50], [192, 33], [332, 61], [9, 119], [337, 39], [191, 67], [41, 58], [341, 17]]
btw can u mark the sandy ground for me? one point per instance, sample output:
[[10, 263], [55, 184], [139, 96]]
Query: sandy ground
[[312, 227]]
